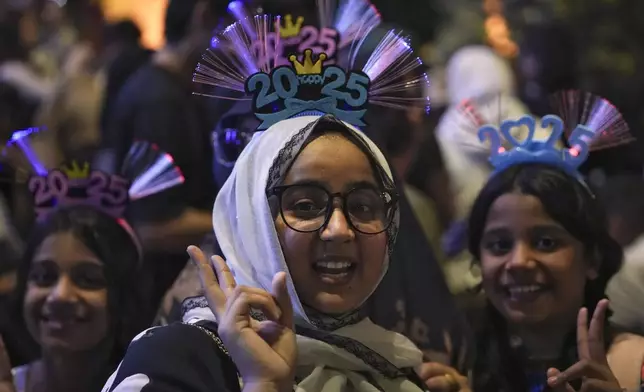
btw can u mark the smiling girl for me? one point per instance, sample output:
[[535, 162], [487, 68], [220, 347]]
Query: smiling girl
[[78, 292], [542, 241]]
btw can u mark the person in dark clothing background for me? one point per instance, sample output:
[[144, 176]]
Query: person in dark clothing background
[[124, 56], [156, 104]]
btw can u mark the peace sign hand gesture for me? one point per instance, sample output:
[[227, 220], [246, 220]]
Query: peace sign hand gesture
[[592, 367], [264, 351]]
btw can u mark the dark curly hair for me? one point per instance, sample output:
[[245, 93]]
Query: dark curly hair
[[499, 367], [114, 246]]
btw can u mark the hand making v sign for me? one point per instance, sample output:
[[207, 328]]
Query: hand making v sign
[[264, 351], [592, 367]]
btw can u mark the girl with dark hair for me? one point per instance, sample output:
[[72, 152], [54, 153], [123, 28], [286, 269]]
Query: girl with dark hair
[[542, 241], [78, 296]]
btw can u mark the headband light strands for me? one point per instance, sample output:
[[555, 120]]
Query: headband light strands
[[234, 56], [337, 26], [150, 170], [238, 64], [22, 140], [597, 113], [242, 13], [390, 68], [352, 19]]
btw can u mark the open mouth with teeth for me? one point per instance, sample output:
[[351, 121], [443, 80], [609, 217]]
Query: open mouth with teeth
[[54, 321], [525, 292], [335, 272]]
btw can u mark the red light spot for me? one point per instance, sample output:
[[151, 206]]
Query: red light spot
[[501, 150], [574, 151]]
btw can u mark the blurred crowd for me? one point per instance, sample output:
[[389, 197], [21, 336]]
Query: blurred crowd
[[94, 90]]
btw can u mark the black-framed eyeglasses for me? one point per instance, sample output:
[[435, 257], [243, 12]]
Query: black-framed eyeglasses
[[308, 207]]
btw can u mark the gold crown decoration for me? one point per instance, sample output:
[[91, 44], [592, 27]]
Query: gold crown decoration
[[75, 172], [290, 29], [307, 67]]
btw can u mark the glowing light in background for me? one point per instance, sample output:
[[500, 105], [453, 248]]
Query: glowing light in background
[[497, 30], [147, 14]]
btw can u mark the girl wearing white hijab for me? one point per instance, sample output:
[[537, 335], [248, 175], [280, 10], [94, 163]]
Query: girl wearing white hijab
[[305, 223]]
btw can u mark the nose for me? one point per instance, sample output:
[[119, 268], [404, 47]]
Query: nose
[[63, 291], [338, 228], [521, 256]]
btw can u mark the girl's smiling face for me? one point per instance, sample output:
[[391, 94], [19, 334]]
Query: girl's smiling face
[[65, 306], [534, 270], [337, 165]]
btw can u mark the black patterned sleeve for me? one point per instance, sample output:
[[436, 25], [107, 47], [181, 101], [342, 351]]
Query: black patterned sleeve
[[175, 358]]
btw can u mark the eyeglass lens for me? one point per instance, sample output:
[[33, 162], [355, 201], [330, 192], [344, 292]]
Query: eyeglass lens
[[305, 208]]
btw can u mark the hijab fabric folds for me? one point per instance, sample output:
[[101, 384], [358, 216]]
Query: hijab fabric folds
[[348, 353]]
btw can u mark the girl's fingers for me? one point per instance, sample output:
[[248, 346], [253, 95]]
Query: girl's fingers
[[552, 374], [440, 383], [241, 302], [596, 346], [226, 299], [224, 274], [280, 292], [582, 369], [433, 369], [583, 352], [264, 301], [214, 294]]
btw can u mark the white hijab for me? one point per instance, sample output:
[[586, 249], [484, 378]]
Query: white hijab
[[353, 357]]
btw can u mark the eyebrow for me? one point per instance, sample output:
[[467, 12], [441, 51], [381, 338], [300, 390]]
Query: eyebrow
[[48, 260], [537, 228], [351, 185]]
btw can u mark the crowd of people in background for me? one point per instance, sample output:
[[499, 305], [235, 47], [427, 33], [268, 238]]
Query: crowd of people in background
[[480, 281]]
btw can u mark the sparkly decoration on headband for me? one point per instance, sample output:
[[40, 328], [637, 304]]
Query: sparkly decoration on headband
[[310, 84], [146, 171], [152, 171], [335, 29], [22, 143], [596, 125], [597, 113]]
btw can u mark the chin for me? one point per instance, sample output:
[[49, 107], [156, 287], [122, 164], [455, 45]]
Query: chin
[[63, 346], [518, 317], [527, 314], [55, 345], [330, 303]]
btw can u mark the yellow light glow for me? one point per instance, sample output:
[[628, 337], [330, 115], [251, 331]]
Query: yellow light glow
[[497, 30], [147, 14]]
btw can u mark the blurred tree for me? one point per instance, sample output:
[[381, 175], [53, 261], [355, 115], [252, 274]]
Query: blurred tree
[[419, 17], [608, 41]]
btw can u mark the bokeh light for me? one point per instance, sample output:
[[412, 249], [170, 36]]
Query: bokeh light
[[147, 14]]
